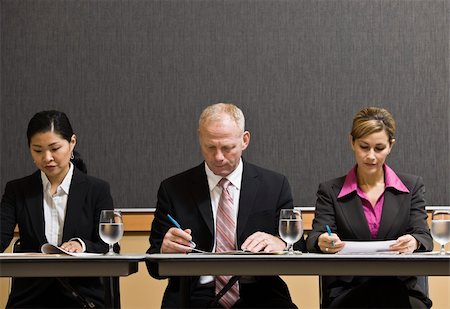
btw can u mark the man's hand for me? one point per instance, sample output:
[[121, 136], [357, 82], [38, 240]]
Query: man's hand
[[176, 241], [260, 241]]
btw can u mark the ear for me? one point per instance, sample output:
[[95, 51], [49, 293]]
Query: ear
[[73, 141], [245, 140], [352, 142], [391, 145]]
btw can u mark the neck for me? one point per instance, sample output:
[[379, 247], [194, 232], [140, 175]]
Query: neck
[[58, 179], [370, 180]]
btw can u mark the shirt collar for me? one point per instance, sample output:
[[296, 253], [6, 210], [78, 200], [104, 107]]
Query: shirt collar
[[65, 184], [235, 177], [350, 183], [391, 180]]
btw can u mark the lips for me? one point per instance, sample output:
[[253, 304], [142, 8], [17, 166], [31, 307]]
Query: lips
[[370, 165]]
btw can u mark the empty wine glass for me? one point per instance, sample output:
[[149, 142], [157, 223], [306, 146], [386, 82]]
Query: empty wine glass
[[440, 227], [290, 227], [111, 228]]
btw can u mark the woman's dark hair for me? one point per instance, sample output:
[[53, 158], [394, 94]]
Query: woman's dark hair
[[58, 123]]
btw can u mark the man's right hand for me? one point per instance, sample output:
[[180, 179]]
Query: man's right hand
[[176, 241]]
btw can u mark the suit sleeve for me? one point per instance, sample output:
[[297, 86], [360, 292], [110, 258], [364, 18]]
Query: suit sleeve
[[103, 200], [159, 228], [418, 226], [324, 214], [7, 217]]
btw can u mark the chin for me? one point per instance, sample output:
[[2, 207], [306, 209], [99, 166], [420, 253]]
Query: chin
[[222, 173], [52, 172], [372, 169]]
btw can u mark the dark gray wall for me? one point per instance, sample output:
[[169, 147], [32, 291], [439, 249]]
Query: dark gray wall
[[133, 76]]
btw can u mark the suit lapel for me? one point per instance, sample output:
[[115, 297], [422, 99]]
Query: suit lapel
[[353, 214], [249, 189], [200, 190], [391, 208], [35, 205], [75, 202]]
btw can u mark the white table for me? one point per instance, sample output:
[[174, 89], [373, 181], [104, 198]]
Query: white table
[[303, 264], [186, 265], [47, 265]]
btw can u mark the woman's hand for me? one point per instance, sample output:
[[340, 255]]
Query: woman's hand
[[330, 244], [405, 244], [72, 246]]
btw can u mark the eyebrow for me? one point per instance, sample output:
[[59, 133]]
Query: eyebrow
[[39, 146], [376, 145]]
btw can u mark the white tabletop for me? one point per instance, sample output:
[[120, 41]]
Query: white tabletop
[[54, 265], [302, 264]]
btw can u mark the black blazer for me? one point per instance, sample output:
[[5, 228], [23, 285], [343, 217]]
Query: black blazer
[[403, 213], [186, 197], [22, 204]]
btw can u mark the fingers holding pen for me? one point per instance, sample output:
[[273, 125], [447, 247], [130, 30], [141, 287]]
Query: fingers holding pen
[[330, 243], [177, 241]]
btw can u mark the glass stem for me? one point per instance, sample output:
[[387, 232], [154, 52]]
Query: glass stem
[[291, 249]]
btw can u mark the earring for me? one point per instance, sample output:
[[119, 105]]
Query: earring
[[71, 156]]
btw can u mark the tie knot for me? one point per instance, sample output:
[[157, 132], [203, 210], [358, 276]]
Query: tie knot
[[224, 183]]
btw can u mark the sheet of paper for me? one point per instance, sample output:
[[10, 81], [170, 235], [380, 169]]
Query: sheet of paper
[[374, 246], [51, 249]]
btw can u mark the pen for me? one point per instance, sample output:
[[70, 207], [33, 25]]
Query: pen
[[329, 234], [179, 226]]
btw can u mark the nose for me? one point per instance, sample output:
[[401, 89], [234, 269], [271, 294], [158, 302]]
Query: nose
[[48, 156], [218, 156], [371, 154]]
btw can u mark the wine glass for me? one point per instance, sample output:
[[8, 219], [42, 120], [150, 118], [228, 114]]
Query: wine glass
[[290, 227], [440, 227], [111, 228]]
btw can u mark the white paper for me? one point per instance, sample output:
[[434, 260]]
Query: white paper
[[374, 246], [51, 249]]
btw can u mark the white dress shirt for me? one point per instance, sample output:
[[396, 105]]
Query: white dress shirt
[[55, 206], [215, 191]]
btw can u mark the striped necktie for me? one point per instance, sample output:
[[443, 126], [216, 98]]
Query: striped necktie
[[226, 240]]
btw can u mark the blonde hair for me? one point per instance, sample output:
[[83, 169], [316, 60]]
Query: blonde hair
[[371, 120], [214, 113]]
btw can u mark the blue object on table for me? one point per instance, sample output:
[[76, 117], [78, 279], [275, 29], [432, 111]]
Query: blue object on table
[[193, 245], [329, 234]]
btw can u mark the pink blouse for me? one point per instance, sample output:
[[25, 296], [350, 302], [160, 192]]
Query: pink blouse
[[372, 214]]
